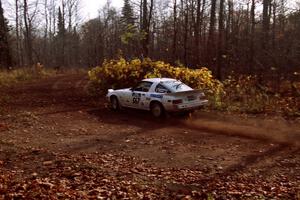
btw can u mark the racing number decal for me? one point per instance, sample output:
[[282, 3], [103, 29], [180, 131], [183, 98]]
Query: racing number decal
[[136, 98]]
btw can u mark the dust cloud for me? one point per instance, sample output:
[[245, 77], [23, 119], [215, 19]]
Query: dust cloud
[[270, 130]]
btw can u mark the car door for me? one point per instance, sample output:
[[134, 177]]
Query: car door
[[138, 95], [125, 97]]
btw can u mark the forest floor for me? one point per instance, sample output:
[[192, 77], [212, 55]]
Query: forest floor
[[57, 143]]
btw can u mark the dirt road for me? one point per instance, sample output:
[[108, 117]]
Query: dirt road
[[57, 142]]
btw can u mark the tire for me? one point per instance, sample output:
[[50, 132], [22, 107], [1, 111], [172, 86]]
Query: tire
[[157, 110], [114, 103]]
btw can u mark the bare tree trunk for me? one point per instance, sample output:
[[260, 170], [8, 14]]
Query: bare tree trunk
[[149, 24], [186, 21], [252, 35], [175, 31], [202, 31], [22, 42], [281, 18], [141, 14], [197, 32], [220, 40], [266, 24], [45, 47], [52, 28], [17, 33], [54, 17], [211, 34], [146, 26], [28, 39], [228, 40], [63, 36], [192, 33], [230, 21], [274, 25]]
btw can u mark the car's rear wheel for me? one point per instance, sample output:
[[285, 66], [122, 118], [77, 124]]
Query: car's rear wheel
[[157, 109], [114, 103]]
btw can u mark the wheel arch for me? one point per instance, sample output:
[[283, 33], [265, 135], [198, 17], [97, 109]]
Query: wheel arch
[[117, 101], [113, 96], [156, 101]]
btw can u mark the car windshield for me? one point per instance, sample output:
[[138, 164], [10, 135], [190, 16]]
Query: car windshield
[[176, 86]]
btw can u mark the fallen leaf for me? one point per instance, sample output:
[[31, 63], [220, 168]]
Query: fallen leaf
[[47, 162]]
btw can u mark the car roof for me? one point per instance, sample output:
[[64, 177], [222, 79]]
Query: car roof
[[158, 80]]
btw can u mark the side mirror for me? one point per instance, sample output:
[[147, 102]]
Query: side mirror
[[131, 89]]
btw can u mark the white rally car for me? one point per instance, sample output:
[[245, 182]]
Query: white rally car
[[159, 95]]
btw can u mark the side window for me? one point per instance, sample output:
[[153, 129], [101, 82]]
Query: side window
[[143, 87], [161, 89]]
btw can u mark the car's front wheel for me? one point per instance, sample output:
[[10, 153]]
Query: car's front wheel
[[114, 103], [157, 109]]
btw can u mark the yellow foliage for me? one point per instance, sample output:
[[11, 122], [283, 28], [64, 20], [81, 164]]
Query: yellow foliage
[[121, 73]]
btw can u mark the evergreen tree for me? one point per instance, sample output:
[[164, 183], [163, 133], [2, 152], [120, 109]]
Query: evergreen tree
[[127, 14], [60, 24], [130, 35], [5, 57], [60, 39]]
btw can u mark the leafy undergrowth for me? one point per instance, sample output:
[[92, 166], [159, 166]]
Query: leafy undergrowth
[[242, 94], [109, 176], [24, 74], [246, 95]]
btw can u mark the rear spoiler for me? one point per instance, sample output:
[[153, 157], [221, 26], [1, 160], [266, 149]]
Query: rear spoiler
[[189, 92]]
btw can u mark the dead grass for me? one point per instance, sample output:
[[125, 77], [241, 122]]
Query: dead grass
[[10, 77], [23, 74]]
